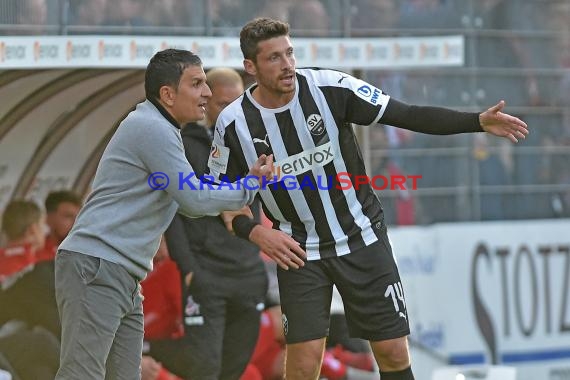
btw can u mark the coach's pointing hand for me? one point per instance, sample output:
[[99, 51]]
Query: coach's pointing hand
[[282, 248]]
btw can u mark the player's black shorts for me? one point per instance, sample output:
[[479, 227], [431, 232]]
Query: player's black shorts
[[369, 284]]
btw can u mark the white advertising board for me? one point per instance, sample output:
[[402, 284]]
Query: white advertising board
[[34, 52], [490, 293]]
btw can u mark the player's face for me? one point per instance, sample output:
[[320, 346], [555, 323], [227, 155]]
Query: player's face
[[274, 68], [188, 101]]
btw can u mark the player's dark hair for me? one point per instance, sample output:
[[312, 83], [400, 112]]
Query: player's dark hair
[[257, 30]]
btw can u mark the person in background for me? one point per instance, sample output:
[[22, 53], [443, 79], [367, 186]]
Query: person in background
[[29, 350], [61, 208]]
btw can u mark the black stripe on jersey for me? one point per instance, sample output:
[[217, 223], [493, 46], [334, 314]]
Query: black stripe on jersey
[[236, 162], [341, 208], [371, 206], [310, 189], [257, 129]]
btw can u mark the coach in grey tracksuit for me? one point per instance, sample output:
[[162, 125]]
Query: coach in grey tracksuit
[[116, 234]]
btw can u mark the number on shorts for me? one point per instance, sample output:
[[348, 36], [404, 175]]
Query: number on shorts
[[396, 291]]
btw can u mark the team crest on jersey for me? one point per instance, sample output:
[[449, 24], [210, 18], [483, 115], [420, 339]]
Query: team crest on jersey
[[316, 124]]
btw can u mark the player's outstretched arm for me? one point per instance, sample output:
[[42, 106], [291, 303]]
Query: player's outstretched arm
[[497, 123], [446, 121]]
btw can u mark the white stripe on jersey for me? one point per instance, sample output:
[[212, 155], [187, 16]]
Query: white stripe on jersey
[[341, 240], [355, 208]]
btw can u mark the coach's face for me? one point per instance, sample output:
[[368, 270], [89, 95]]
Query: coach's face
[[187, 102], [274, 69]]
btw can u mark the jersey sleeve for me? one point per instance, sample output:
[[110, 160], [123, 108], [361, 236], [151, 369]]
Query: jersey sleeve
[[351, 99]]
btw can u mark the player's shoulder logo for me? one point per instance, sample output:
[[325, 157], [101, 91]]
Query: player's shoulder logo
[[316, 124], [369, 93]]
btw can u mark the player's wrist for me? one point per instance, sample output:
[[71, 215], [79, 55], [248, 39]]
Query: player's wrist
[[243, 226]]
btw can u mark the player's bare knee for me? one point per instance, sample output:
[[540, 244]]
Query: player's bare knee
[[392, 354], [304, 369], [303, 360]]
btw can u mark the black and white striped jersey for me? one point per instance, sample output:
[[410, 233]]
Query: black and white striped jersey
[[313, 144]]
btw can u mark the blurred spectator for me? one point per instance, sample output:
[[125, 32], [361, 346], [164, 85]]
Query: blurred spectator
[[22, 224], [168, 13], [309, 19], [62, 208], [30, 15], [29, 354], [398, 203], [503, 50], [277, 9], [128, 15], [491, 173], [162, 306], [428, 14], [28, 284], [87, 12], [371, 17], [32, 352]]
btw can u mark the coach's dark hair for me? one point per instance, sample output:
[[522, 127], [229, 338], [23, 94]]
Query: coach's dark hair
[[165, 69], [55, 198], [257, 30]]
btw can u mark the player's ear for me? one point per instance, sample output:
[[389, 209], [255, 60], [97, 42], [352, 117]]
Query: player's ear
[[167, 95], [249, 67]]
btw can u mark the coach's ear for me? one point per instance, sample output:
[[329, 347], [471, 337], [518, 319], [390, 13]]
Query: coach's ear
[[249, 67], [167, 95]]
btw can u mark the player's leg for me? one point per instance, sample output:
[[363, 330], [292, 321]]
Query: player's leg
[[373, 296], [392, 355], [305, 295], [303, 360]]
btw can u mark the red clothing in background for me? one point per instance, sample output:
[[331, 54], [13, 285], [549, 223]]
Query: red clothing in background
[[162, 302], [15, 261]]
